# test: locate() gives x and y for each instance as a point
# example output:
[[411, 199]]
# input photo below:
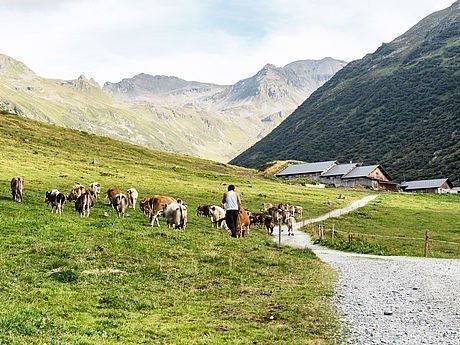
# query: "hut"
[[370, 176], [333, 177], [442, 185], [311, 171]]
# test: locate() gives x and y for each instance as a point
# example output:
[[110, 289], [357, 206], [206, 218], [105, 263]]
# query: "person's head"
[[231, 187]]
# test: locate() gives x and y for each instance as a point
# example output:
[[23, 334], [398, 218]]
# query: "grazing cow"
[[290, 222], [111, 193], [176, 215], [144, 205], [119, 204], [76, 191], [329, 202], [243, 222], [203, 210], [95, 190], [217, 217], [266, 206], [284, 207], [56, 199], [341, 196], [269, 224], [83, 204], [296, 209], [257, 219], [275, 213], [157, 205], [17, 188], [132, 195]]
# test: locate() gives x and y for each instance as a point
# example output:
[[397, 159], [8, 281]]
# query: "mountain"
[[167, 113], [399, 106]]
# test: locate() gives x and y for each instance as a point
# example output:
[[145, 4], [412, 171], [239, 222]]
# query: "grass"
[[105, 280], [401, 215]]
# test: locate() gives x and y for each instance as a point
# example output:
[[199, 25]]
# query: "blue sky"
[[205, 40]]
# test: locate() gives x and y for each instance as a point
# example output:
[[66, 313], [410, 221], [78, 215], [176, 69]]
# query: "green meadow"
[[406, 216], [106, 280]]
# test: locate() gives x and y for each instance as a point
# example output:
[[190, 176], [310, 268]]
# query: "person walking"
[[232, 203]]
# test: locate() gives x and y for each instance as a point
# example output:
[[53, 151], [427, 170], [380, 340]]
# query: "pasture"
[[107, 280], [401, 215]]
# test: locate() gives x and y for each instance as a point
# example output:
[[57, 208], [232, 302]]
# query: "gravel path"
[[391, 299]]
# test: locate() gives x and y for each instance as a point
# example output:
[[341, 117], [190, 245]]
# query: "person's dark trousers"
[[231, 218]]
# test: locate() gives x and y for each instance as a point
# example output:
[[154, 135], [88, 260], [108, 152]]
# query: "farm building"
[[310, 171], [370, 176], [455, 190], [442, 185], [333, 177], [334, 174]]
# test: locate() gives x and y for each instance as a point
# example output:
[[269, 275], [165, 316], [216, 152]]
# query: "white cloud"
[[112, 39]]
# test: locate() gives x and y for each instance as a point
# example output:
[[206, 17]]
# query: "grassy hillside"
[[401, 215], [105, 280], [398, 107]]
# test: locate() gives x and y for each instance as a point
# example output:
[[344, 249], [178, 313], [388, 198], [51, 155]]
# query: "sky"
[[203, 40]]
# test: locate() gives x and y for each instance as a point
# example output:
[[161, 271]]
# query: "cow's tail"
[[181, 226]]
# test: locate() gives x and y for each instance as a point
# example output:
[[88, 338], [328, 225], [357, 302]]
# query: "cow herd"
[[173, 210], [269, 216]]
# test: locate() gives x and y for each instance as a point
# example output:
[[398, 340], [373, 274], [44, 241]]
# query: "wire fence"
[[426, 243]]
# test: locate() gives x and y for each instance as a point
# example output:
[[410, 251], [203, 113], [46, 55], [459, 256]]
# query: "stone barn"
[[311, 171]]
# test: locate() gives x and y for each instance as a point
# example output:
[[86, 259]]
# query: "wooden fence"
[[321, 233]]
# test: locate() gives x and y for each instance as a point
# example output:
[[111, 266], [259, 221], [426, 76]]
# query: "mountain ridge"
[[165, 113], [398, 106]]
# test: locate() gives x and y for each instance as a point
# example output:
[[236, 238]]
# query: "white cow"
[[176, 215], [132, 197], [95, 189], [217, 217], [290, 222]]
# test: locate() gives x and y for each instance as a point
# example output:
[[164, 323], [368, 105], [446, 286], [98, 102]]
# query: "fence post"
[[333, 229], [427, 241], [279, 232], [349, 238]]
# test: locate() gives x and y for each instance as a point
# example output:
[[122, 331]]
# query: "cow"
[[341, 196], [157, 203], [56, 199], [297, 209], [17, 188], [269, 224], [144, 205], [266, 206], [132, 195], [95, 190], [203, 210], [111, 193], [77, 190], [243, 222], [257, 219], [217, 217], [83, 204], [290, 222], [275, 213], [176, 215], [284, 207], [119, 204]]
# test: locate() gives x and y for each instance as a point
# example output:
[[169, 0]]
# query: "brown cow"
[[17, 187], [119, 204], [266, 206], [112, 193], [83, 204], [157, 205], [269, 224], [76, 191], [243, 222], [144, 204]]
